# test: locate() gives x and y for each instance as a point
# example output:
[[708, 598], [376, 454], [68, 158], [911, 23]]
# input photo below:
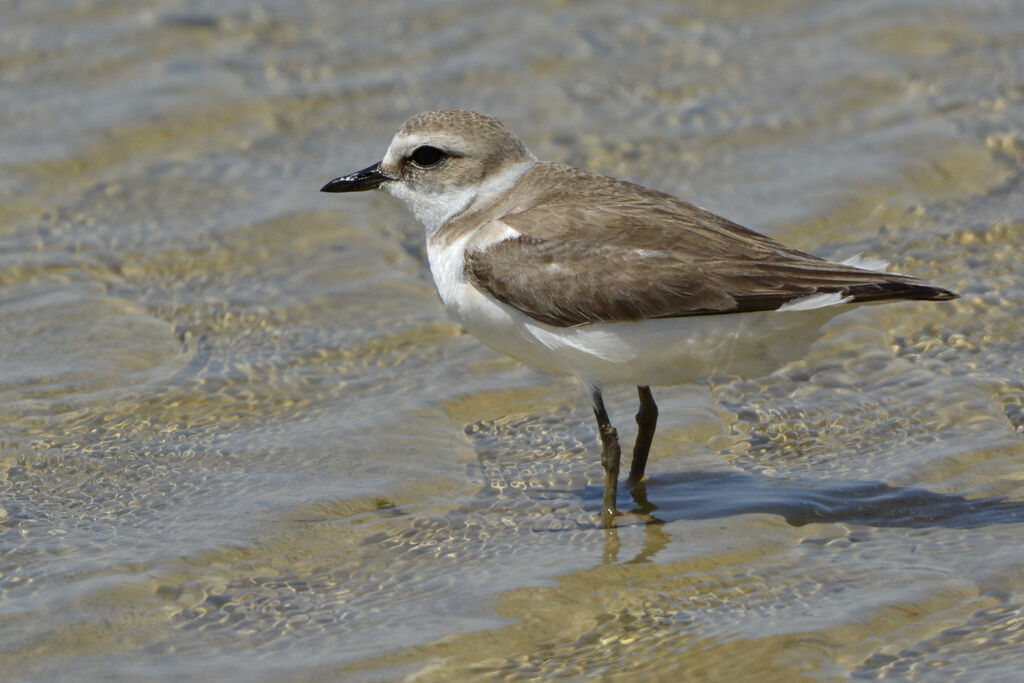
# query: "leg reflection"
[[655, 536]]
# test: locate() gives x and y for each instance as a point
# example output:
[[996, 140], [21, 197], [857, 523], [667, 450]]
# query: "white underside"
[[649, 352]]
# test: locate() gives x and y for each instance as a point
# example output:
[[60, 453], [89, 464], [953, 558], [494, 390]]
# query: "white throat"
[[435, 206]]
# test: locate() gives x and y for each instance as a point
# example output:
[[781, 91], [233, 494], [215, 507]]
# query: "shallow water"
[[241, 441]]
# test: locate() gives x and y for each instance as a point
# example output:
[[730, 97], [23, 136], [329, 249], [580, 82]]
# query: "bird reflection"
[[713, 495]]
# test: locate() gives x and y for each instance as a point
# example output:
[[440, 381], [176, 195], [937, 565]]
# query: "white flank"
[[595, 341]]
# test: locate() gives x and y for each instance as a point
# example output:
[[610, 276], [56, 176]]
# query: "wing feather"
[[611, 251]]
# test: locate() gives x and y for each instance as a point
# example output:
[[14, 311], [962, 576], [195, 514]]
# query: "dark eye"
[[426, 156]]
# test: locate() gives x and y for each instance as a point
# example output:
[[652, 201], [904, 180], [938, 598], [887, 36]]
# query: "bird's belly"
[[648, 352]]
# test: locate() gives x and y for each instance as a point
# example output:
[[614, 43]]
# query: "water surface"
[[240, 440]]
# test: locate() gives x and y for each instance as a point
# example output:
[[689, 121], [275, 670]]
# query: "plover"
[[581, 274]]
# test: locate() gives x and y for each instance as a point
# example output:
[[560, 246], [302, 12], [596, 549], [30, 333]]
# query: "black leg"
[[647, 421], [610, 456]]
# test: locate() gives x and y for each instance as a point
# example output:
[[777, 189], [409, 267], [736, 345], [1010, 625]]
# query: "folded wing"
[[622, 256]]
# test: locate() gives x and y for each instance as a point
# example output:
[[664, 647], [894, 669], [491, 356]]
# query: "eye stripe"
[[426, 156]]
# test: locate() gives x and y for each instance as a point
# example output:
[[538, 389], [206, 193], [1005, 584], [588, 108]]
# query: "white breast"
[[448, 266]]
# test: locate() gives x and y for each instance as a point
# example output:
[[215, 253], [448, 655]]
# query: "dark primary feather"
[[604, 250]]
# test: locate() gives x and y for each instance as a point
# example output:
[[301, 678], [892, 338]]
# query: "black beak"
[[366, 179]]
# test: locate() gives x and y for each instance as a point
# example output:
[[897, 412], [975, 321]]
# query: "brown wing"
[[566, 283], [610, 251]]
